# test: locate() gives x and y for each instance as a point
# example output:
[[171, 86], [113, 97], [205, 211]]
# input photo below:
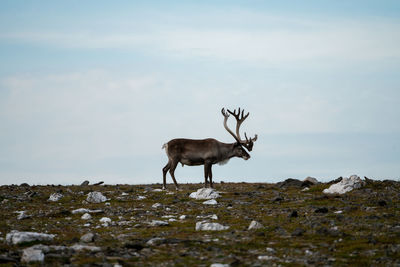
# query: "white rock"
[[95, 197], [86, 216], [105, 221], [345, 185], [79, 247], [182, 217], [205, 193], [168, 216], [305, 189], [16, 237], [32, 254], [158, 223], [124, 194], [311, 179], [213, 216], [55, 197], [22, 215], [206, 226], [338, 212], [266, 258], [82, 210], [255, 225], [219, 265], [140, 197], [157, 190], [172, 220], [156, 205], [210, 202]]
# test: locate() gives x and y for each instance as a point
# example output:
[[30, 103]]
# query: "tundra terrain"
[[140, 225]]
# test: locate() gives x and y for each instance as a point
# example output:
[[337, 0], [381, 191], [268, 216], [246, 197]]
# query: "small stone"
[[254, 225], [156, 205], [205, 226], [86, 216], [219, 265], [158, 223], [15, 237], [22, 215], [32, 255], [311, 180], [79, 247], [82, 210], [266, 258], [87, 238], [55, 197], [96, 197], [205, 193], [155, 241], [210, 202], [182, 217], [105, 221]]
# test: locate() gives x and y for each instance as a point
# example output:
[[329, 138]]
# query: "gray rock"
[[210, 202], [79, 247], [311, 180], [55, 197], [86, 216], [22, 215], [85, 183], [32, 255], [96, 197], [254, 225], [87, 238], [16, 237], [345, 185], [158, 223], [206, 226], [205, 193], [82, 210]]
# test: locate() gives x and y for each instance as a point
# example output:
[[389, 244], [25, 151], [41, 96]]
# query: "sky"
[[93, 89]]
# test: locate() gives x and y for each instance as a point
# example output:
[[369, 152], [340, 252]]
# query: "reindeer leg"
[[172, 172], [206, 174], [210, 176], [165, 170]]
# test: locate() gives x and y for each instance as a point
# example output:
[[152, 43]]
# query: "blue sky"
[[92, 89]]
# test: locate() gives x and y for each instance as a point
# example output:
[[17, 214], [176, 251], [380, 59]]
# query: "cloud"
[[276, 41]]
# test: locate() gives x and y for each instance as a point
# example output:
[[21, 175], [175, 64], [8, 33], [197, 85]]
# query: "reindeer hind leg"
[[174, 163], [165, 170]]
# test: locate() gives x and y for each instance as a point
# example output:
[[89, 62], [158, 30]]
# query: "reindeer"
[[207, 151]]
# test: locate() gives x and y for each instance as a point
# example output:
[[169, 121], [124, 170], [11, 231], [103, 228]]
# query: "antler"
[[240, 117], [226, 116]]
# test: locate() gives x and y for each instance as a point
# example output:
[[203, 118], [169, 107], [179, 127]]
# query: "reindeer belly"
[[192, 161]]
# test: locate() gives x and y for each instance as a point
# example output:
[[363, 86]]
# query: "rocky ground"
[[144, 226]]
